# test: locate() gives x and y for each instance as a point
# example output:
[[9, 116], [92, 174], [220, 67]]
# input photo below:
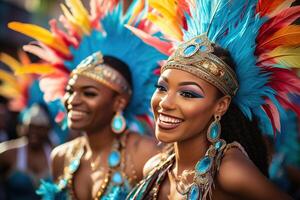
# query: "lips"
[[76, 114], [168, 122]]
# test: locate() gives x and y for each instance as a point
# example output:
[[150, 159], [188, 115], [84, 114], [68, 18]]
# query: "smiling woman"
[[108, 76], [217, 84]]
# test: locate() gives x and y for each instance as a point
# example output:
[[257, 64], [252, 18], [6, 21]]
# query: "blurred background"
[[284, 149]]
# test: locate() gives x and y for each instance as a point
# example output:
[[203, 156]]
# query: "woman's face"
[[90, 104], [183, 105]]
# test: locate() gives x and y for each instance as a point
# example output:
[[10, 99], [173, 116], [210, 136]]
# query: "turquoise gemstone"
[[203, 165], [203, 48], [117, 178], [194, 193], [214, 131], [118, 123], [189, 50], [74, 165], [198, 40], [218, 145], [114, 159], [63, 183]]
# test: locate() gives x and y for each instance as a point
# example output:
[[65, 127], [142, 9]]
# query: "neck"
[[98, 141], [189, 152]]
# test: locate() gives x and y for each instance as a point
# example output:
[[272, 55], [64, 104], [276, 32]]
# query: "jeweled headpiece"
[[94, 67], [262, 41], [195, 56]]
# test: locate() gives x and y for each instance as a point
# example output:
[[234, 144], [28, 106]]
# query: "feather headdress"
[[260, 38], [85, 33]]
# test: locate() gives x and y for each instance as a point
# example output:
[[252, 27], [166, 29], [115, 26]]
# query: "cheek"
[[197, 116], [154, 103]]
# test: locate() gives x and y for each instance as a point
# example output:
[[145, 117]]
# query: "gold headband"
[[195, 56], [94, 68]]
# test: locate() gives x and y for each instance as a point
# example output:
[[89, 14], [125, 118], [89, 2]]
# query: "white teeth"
[[76, 113], [168, 119]]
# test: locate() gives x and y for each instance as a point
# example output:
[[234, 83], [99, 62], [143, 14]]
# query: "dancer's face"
[[183, 106], [90, 104]]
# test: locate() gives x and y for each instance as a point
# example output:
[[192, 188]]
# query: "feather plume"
[[287, 36], [283, 19], [288, 57], [40, 34]]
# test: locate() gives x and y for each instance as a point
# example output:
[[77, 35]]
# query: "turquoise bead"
[[114, 159], [214, 131], [194, 193], [218, 145], [203, 48], [117, 123], [74, 165], [203, 165], [117, 178], [189, 50], [198, 40]]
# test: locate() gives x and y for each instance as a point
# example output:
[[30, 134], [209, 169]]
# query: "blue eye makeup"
[[190, 94]]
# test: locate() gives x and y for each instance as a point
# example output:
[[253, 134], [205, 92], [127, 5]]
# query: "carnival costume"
[[80, 51], [264, 47], [25, 97]]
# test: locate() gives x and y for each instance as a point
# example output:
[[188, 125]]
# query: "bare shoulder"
[[142, 145], [8, 149], [238, 176], [141, 148], [59, 156]]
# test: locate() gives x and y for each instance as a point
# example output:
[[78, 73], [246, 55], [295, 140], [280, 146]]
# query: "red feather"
[[264, 7], [283, 19]]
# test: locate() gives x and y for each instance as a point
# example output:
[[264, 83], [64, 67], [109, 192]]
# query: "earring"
[[214, 130], [118, 124]]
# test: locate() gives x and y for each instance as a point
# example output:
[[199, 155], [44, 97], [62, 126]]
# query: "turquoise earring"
[[214, 130], [118, 124]]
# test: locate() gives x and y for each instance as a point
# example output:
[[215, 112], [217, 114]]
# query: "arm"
[[240, 178]]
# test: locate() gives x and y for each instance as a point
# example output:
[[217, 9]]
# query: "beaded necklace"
[[115, 175]]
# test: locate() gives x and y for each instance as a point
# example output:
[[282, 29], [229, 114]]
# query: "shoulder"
[[140, 149], [238, 176], [8, 149], [137, 142], [60, 154]]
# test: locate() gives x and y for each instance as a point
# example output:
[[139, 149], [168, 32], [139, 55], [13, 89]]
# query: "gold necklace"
[[181, 182]]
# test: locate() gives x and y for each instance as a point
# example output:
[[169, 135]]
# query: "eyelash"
[[190, 94], [160, 88], [185, 94], [90, 94]]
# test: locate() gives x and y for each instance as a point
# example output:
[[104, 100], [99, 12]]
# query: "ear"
[[222, 105], [120, 102]]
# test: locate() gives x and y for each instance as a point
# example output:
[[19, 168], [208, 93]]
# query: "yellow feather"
[[40, 34], [166, 17], [80, 13], [11, 62], [289, 57], [8, 78], [9, 92], [71, 19], [136, 11], [40, 69]]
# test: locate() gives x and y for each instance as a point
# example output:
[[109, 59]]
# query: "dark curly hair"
[[236, 127]]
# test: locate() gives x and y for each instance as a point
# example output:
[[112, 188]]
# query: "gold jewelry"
[[182, 185], [195, 56], [94, 68]]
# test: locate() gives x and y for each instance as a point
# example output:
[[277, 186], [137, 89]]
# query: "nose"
[[167, 102], [73, 100]]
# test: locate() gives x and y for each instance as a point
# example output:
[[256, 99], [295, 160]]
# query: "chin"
[[165, 137]]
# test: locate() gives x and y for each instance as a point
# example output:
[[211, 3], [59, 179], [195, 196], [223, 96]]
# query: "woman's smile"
[[168, 122], [76, 115]]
